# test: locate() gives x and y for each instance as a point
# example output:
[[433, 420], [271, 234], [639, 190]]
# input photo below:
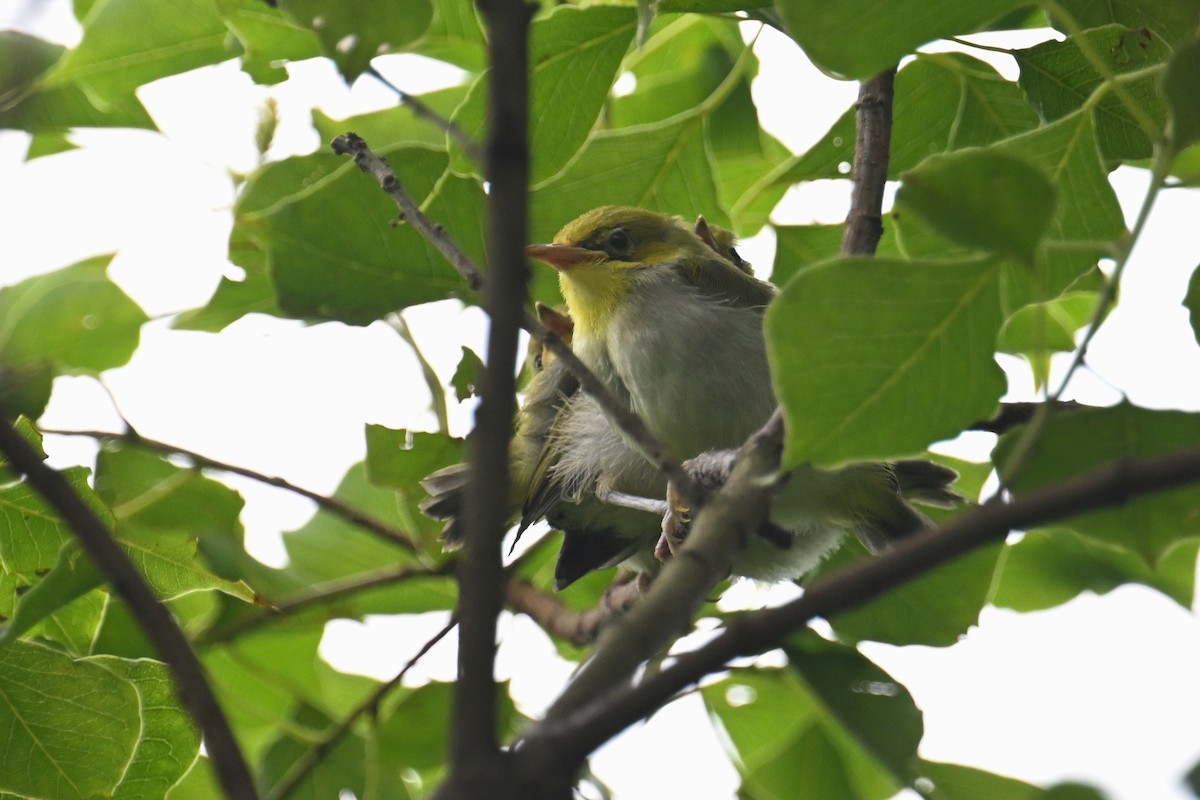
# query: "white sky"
[[1098, 690]]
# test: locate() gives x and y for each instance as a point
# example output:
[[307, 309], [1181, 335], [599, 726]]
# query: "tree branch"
[[752, 633], [331, 504], [872, 147], [191, 685], [469, 145], [474, 744], [577, 627]]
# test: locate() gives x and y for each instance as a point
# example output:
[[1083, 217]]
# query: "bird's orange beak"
[[563, 256]]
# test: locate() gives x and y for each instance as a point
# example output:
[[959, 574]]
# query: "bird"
[[812, 508], [674, 328], [549, 388]]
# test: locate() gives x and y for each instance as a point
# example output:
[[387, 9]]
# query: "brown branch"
[[572, 738], [872, 145], [628, 422], [577, 627], [321, 748], [331, 504], [474, 742], [156, 622]]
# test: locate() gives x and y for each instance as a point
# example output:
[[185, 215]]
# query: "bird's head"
[[600, 255]]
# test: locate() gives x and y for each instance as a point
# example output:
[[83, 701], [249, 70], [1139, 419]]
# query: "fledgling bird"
[[674, 329], [812, 508]]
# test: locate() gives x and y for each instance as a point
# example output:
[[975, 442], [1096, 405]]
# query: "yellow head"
[[599, 255]]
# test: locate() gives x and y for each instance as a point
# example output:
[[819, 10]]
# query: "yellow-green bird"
[[674, 329]]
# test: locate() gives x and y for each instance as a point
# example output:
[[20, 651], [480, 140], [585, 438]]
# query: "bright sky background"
[[1099, 690]]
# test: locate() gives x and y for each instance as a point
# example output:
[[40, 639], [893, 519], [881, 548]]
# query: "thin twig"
[[317, 752], [468, 145], [331, 504], [156, 622], [320, 594]]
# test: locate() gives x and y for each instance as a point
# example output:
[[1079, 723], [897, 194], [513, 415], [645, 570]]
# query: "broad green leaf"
[[936, 609], [330, 248], [859, 38], [31, 532], [1085, 440], [806, 731], [200, 783], [1174, 20], [573, 58], [74, 318], [1060, 79], [1183, 74], [268, 38], [467, 375], [943, 102], [1037, 330], [1087, 219], [70, 727], [72, 627], [956, 782], [1049, 567], [982, 198], [1192, 302], [662, 167], [874, 709], [797, 246], [128, 43], [399, 459], [169, 742], [329, 547], [341, 770], [264, 677], [352, 32], [455, 35], [857, 344], [25, 388]]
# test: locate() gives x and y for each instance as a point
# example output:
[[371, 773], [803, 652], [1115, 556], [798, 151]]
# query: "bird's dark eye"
[[537, 362], [618, 241]]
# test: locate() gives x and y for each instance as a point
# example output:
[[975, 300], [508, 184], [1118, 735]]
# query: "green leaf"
[[329, 245], [897, 340], [128, 43], [31, 532], [1087, 219], [1059, 79], [1037, 330], [1174, 20], [1183, 75], [467, 375], [1049, 567], [401, 458], [74, 318], [806, 732], [1088, 439], [859, 38], [169, 741], [956, 782], [982, 198], [876, 710], [455, 35], [936, 609], [268, 38], [663, 167], [1192, 302], [943, 102], [573, 58], [797, 246], [71, 727], [352, 32]]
